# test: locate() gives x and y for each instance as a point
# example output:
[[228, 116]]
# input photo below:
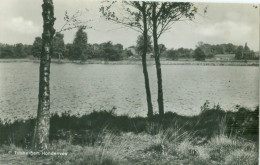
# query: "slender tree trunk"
[[145, 72], [41, 134], [157, 62]]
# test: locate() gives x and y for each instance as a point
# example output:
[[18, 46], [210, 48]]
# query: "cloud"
[[20, 25], [229, 32], [226, 29]]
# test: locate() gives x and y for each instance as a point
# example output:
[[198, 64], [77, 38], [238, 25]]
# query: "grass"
[[214, 137], [130, 148]]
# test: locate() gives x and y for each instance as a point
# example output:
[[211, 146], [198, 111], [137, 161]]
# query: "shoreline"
[[149, 62]]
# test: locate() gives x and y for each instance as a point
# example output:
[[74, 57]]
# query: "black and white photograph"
[[102, 82]]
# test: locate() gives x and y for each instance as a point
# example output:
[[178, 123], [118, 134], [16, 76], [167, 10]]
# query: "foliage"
[[80, 45], [162, 48], [167, 13], [74, 21], [172, 54], [247, 53], [199, 54], [127, 13], [239, 52], [37, 47], [111, 52], [15, 51], [19, 51], [58, 45], [211, 50], [140, 44], [129, 53], [7, 51], [244, 53]]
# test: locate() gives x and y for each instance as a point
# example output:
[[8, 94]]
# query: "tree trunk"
[[157, 62], [41, 134], [146, 76]]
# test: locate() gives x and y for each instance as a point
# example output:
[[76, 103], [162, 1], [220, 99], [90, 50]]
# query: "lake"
[[83, 88]]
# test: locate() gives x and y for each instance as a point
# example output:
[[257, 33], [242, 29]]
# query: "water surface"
[[84, 88]]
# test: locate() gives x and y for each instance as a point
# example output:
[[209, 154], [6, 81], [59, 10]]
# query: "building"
[[224, 57]]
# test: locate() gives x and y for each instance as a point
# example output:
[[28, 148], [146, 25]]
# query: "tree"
[[41, 133], [119, 47], [199, 54], [37, 47], [7, 52], [68, 50], [230, 48], [208, 51], [27, 49], [172, 54], [140, 44], [74, 21], [111, 52], [162, 48], [58, 45], [134, 17], [184, 52], [247, 53], [161, 16], [19, 51], [244, 53], [129, 53], [239, 52], [80, 44]]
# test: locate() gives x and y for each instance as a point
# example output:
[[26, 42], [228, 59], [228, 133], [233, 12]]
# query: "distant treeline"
[[204, 50], [15, 51], [81, 50]]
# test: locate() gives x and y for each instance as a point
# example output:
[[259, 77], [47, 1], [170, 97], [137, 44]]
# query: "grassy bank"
[[212, 137], [149, 62]]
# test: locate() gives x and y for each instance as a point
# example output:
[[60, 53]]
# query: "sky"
[[21, 21]]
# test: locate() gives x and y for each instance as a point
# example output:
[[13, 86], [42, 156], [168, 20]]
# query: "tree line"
[[15, 51], [206, 51], [81, 50]]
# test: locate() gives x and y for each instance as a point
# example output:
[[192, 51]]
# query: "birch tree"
[[161, 17], [133, 14], [41, 134]]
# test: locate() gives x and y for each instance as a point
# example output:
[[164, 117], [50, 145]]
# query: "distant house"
[[224, 57]]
